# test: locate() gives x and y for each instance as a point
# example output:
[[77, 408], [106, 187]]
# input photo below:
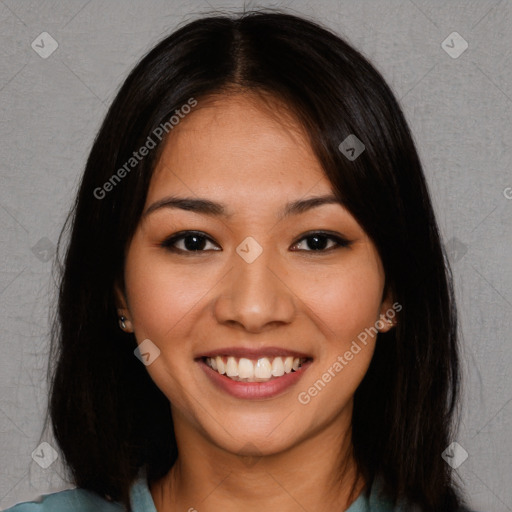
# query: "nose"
[[255, 296]]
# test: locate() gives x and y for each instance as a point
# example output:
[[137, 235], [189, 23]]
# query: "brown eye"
[[319, 242], [190, 241]]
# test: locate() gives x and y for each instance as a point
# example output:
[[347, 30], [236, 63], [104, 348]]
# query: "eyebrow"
[[208, 207]]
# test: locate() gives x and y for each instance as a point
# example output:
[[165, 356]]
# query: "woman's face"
[[255, 290]]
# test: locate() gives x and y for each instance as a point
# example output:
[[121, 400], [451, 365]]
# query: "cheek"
[[160, 295], [162, 298], [346, 301]]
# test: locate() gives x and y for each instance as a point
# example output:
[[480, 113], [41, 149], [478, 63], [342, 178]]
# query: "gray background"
[[459, 110]]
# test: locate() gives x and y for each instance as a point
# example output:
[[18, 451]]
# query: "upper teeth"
[[258, 370]]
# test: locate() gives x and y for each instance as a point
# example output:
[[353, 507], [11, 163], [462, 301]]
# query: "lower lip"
[[254, 390]]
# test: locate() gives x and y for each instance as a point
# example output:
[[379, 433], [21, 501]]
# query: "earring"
[[390, 322], [122, 322], [385, 318]]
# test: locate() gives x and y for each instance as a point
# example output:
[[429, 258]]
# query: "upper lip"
[[254, 353]]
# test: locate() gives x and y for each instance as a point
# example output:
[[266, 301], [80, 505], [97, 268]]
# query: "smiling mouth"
[[263, 369]]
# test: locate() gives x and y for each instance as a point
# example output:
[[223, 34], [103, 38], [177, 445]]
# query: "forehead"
[[242, 140]]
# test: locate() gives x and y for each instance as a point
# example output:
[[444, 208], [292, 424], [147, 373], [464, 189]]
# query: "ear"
[[123, 311], [387, 314]]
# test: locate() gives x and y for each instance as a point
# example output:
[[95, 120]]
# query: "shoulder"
[[379, 502], [83, 500], [77, 500]]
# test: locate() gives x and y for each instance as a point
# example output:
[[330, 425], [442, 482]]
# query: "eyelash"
[[169, 242]]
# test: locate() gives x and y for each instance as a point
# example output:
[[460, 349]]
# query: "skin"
[[253, 156]]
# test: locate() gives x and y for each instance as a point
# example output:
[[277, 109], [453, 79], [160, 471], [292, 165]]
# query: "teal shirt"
[[81, 500]]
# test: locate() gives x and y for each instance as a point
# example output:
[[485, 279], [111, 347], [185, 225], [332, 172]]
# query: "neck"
[[316, 474]]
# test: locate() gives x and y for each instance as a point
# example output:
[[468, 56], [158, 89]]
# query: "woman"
[[255, 309]]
